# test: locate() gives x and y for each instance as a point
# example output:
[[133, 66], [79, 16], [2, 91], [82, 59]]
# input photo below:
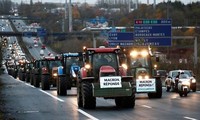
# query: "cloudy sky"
[[93, 1]]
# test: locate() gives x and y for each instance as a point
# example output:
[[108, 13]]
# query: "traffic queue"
[[102, 72]]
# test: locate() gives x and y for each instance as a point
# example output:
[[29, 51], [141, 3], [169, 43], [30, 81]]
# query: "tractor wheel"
[[23, 76], [62, 86], [69, 84], [20, 75], [27, 77], [118, 102], [45, 82], [31, 79], [36, 82], [79, 96], [168, 88], [89, 102], [129, 102], [180, 93], [158, 93], [126, 102]]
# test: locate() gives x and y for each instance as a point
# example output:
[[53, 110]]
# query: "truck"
[[102, 75], [68, 72], [140, 62]]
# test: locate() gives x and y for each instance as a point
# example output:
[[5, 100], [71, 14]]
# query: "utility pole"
[[65, 19], [70, 16]]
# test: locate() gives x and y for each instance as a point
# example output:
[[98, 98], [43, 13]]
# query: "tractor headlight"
[[146, 77], [125, 66], [87, 66], [144, 53], [55, 74], [73, 74], [134, 54], [193, 80], [140, 77]]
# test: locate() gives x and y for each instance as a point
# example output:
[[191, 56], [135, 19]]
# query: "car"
[[36, 45], [43, 47], [170, 80]]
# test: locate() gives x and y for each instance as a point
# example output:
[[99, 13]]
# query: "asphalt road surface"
[[25, 102]]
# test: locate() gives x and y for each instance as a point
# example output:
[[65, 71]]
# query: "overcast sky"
[[93, 1]]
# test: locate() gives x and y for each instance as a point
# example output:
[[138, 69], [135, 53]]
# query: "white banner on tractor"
[[145, 85], [110, 82]]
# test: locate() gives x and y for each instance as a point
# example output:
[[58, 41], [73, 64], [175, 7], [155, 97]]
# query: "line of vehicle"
[[189, 118]]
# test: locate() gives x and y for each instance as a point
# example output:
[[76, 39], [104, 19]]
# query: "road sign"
[[27, 34], [120, 36], [141, 42], [41, 32], [154, 32]]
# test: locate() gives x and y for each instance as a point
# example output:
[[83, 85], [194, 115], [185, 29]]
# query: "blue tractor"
[[68, 72]]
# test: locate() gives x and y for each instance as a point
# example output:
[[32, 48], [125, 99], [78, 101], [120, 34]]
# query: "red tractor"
[[103, 76]]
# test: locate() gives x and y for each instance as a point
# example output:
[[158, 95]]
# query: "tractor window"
[[139, 62], [100, 59], [55, 64]]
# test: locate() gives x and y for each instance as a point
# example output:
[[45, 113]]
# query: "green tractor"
[[68, 72], [103, 76], [140, 66]]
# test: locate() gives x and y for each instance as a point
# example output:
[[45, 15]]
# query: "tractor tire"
[[45, 82], [27, 77], [194, 90], [118, 102], [31, 79], [69, 83], [181, 94], [23, 76], [15, 75], [20, 75], [62, 86], [168, 88], [79, 96], [89, 102], [125, 102], [158, 93], [36, 81]]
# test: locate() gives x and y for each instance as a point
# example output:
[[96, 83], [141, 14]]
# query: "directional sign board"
[[41, 32], [153, 32], [27, 34], [120, 38], [117, 36]]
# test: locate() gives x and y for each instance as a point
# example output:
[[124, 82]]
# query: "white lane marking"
[[29, 85], [31, 111], [52, 96], [146, 106], [88, 115], [189, 118]]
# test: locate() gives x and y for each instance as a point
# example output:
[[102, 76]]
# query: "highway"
[[25, 102]]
